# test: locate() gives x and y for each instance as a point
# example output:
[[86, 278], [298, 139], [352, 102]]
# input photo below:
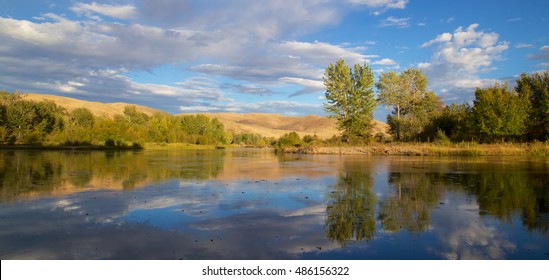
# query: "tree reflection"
[[501, 190], [29, 173], [350, 214], [408, 206], [502, 193]]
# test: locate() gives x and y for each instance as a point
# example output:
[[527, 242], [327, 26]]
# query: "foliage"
[[27, 121], [414, 107], [250, 139], [453, 122], [291, 139], [499, 114], [30, 122], [535, 88], [350, 97], [350, 214]]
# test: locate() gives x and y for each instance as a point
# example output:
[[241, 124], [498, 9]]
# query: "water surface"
[[253, 204]]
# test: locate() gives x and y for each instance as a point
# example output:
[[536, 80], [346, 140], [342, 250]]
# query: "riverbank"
[[429, 149], [69, 148], [146, 146]]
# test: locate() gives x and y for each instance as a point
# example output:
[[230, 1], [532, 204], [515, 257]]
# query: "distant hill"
[[273, 125], [97, 108], [270, 125]]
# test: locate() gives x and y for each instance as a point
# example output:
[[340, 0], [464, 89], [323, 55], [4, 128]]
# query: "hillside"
[[97, 108], [270, 125]]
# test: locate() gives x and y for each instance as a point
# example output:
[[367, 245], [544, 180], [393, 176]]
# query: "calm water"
[[253, 204]]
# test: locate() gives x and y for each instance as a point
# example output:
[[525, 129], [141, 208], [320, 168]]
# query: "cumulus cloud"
[[256, 47], [442, 38], [459, 59]]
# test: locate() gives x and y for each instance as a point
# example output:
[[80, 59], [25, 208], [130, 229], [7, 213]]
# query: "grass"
[[469, 149], [182, 146]]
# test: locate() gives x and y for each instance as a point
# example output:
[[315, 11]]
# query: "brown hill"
[[270, 125], [97, 108]]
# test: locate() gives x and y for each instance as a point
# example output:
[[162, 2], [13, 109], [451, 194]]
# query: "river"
[[254, 204]]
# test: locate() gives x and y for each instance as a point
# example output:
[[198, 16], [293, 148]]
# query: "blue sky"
[[261, 56]]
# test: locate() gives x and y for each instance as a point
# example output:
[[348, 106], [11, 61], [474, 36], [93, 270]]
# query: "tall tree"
[[499, 113], [535, 87], [350, 97], [413, 105]]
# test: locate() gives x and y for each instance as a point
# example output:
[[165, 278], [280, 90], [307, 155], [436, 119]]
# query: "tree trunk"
[[398, 122]]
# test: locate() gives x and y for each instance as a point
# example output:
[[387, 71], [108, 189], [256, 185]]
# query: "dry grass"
[[97, 108], [429, 149], [273, 125]]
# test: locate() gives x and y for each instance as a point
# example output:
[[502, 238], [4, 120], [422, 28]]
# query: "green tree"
[[535, 88], [291, 139], [81, 117], [135, 117], [350, 97], [454, 122], [350, 213], [499, 113], [414, 106]]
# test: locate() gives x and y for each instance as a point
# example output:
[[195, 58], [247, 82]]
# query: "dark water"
[[253, 204]]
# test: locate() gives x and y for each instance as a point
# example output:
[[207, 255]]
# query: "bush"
[[109, 143], [291, 139], [441, 137]]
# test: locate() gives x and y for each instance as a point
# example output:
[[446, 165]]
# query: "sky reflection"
[[332, 208]]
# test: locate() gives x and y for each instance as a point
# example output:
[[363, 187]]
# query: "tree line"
[[497, 114], [46, 123]]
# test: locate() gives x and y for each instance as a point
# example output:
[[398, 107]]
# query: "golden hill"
[[273, 125], [270, 125], [97, 108]]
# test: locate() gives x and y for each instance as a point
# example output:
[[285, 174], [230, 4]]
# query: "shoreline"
[[428, 149], [375, 149]]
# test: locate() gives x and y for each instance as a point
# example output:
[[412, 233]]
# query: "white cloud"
[[385, 61], [392, 4], [460, 57], [442, 38], [291, 108], [395, 22], [310, 86], [321, 53], [315, 84], [114, 11], [423, 65], [255, 46]]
